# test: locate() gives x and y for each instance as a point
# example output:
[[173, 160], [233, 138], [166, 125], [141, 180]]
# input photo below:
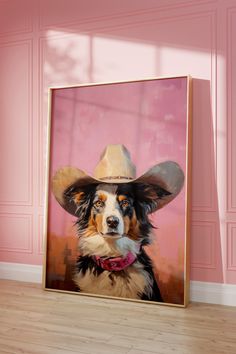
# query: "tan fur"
[[91, 229], [133, 228], [102, 197], [98, 222], [126, 224], [77, 197], [121, 197], [136, 281], [94, 225]]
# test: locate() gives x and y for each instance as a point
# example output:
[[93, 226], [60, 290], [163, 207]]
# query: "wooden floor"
[[34, 321]]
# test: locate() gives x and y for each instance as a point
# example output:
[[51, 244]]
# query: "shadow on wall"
[[206, 248]]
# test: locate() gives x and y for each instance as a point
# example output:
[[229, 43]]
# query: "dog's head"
[[113, 218]]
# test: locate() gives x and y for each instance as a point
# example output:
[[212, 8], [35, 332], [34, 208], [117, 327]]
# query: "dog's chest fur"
[[132, 282]]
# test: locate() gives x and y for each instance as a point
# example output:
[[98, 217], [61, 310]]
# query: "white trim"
[[21, 272], [212, 293]]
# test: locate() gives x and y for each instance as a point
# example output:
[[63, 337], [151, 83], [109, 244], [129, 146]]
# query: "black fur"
[[146, 261], [83, 209]]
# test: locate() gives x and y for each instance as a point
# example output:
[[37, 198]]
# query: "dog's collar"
[[115, 264]]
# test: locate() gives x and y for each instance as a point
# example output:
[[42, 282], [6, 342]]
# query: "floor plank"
[[37, 321]]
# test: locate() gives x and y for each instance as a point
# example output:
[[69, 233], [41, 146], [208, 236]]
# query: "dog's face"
[[113, 218], [113, 212]]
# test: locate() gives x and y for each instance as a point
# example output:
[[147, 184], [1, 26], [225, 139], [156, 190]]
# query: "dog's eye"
[[99, 204], [125, 203]]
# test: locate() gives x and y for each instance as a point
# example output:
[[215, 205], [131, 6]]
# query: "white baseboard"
[[212, 293], [21, 272]]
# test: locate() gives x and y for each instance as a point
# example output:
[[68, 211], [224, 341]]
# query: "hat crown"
[[115, 163]]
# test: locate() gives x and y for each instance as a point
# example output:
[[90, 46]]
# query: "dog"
[[113, 228], [112, 222]]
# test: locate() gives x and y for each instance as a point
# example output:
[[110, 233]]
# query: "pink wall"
[[41, 44]]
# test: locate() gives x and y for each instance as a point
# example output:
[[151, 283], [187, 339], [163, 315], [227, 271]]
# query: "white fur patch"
[[97, 245], [111, 208], [125, 244], [131, 286]]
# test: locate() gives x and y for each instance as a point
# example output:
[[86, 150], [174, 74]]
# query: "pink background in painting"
[[149, 118], [64, 42]]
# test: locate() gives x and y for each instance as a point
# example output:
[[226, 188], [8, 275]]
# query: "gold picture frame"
[[73, 110]]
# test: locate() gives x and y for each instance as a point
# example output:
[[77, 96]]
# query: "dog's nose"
[[112, 221]]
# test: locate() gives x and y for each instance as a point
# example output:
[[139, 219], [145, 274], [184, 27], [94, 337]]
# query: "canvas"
[[118, 193]]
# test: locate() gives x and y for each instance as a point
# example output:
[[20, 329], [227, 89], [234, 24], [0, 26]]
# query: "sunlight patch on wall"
[[77, 58], [180, 61], [66, 58], [118, 60]]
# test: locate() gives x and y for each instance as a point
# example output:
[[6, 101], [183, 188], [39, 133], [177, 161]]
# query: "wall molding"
[[229, 61], [126, 14], [212, 293], [41, 234], [231, 265]]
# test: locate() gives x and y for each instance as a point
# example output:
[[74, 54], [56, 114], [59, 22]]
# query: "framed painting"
[[118, 191]]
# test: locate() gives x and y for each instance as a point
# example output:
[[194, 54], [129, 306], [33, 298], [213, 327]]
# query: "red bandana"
[[115, 264]]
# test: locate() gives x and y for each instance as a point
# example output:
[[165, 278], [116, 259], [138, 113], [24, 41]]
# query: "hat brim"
[[167, 175]]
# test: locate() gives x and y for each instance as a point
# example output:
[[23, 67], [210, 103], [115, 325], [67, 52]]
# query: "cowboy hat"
[[115, 166]]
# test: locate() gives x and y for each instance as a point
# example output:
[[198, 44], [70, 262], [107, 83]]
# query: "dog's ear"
[[77, 199], [149, 196]]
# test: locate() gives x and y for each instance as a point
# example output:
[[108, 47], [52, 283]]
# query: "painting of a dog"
[[117, 216], [112, 222]]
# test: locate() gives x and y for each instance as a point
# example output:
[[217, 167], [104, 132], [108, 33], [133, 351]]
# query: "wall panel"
[[17, 233], [16, 122], [203, 245], [231, 246]]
